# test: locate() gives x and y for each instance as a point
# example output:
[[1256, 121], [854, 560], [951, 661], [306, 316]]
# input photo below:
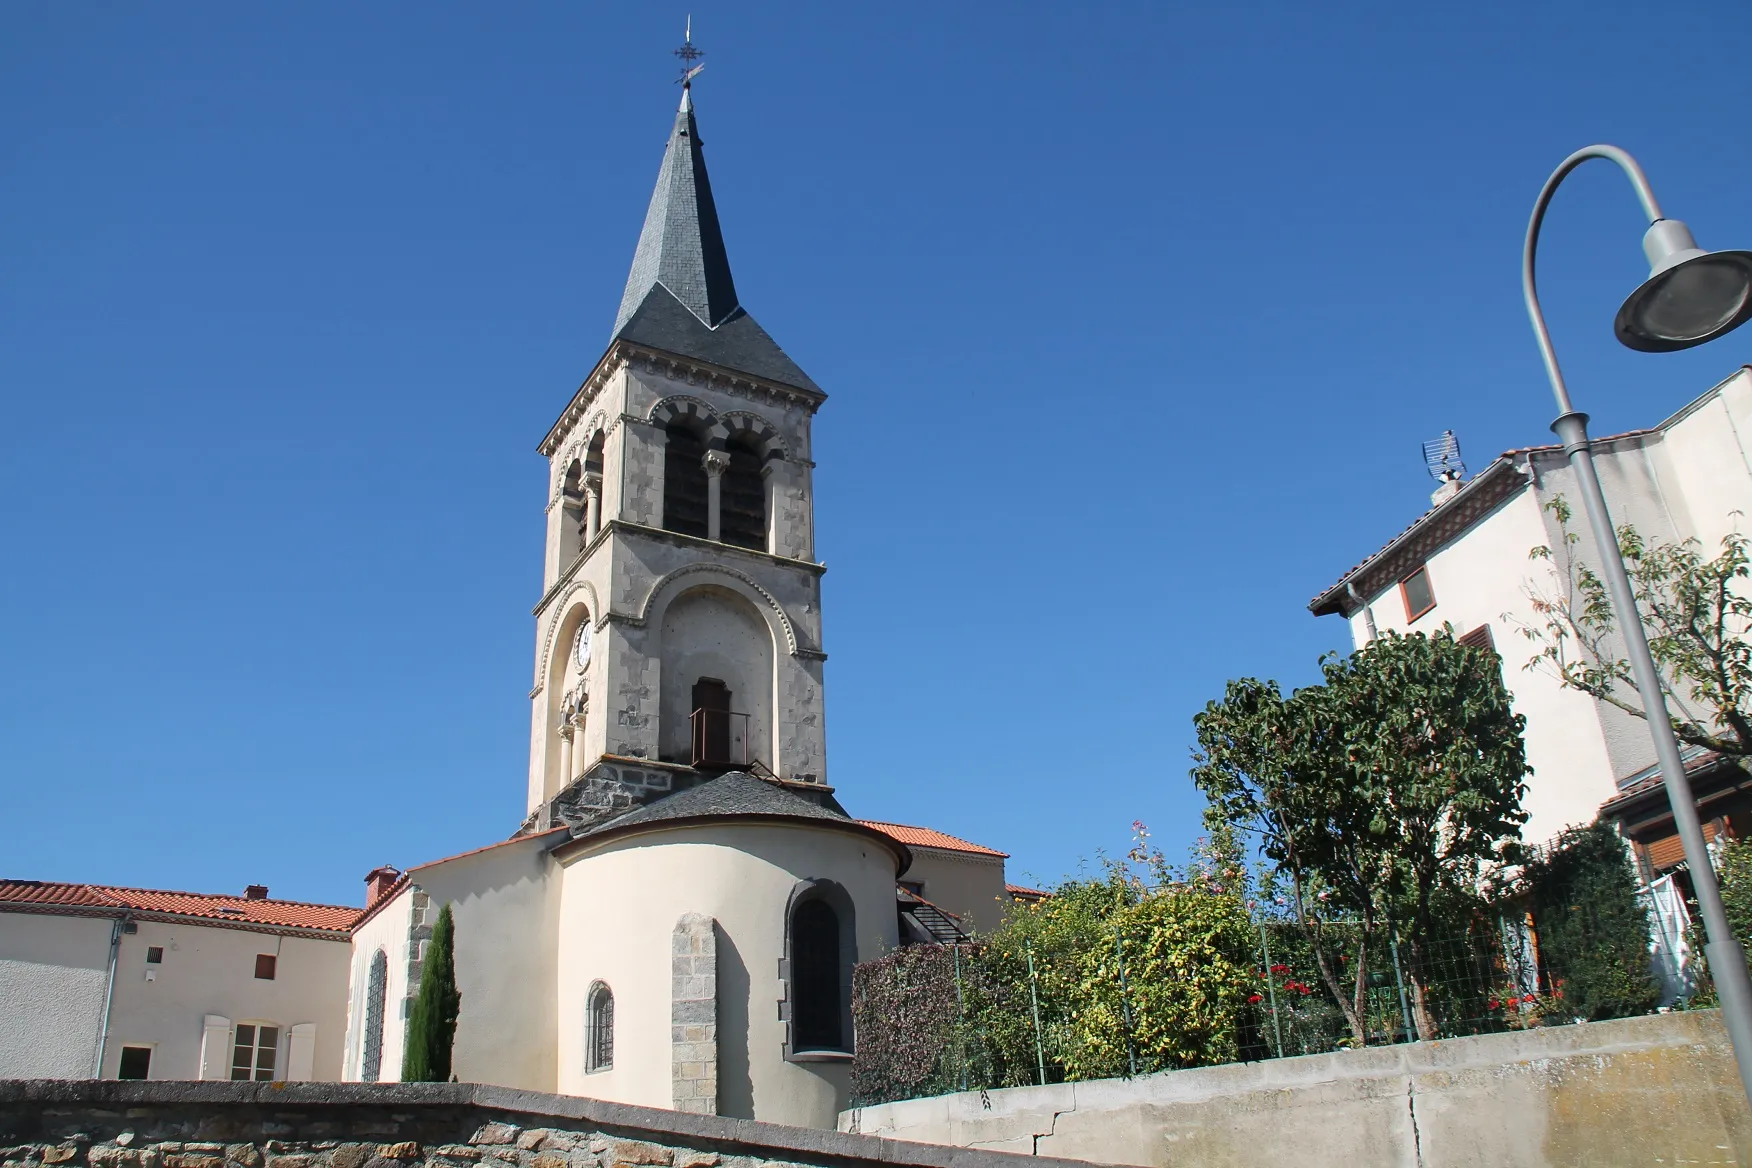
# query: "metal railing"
[[720, 738]]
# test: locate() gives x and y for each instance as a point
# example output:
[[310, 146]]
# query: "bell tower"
[[678, 634]]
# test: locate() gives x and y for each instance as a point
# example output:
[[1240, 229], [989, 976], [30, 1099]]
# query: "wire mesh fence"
[[966, 1022]]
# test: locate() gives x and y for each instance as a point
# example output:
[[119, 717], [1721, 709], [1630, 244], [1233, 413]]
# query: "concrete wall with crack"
[[1655, 1090]]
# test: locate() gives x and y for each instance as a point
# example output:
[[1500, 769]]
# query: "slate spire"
[[681, 246], [679, 296]]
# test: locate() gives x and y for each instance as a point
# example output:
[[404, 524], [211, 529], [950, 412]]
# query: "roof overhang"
[[1411, 547]]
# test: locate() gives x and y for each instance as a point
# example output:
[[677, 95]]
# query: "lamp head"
[[1691, 295]]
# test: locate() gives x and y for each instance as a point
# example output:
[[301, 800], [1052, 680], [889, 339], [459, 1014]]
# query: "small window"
[[265, 966], [916, 887], [599, 1041], [1478, 638], [1419, 598], [155, 955], [252, 1055], [136, 1061]]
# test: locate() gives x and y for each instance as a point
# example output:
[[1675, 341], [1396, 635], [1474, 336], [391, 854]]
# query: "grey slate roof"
[[728, 796], [663, 322], [680, 296]]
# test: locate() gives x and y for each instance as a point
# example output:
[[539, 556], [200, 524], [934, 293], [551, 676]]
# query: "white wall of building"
[[53, 973], [503, 903], [1685, 479], [620, 904], [209, 972], [386, 930]]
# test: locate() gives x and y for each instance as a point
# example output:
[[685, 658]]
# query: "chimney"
[[379, 881], [256, 892], [1450, 486]]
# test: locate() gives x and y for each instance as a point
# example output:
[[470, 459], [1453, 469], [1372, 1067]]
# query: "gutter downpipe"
[[1368, 613], [109, 995]]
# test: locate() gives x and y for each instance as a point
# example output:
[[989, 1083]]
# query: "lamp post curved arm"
[[1529, 287], [1668, 244]]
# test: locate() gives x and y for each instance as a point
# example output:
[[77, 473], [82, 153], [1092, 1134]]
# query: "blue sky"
[[1132, 318]]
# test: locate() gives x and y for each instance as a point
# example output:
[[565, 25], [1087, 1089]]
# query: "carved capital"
[[716, 462], [593, 482]]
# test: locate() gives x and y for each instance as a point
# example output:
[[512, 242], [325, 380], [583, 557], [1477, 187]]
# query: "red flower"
[[1256, 998], [1280, 969], [1495, 1005]]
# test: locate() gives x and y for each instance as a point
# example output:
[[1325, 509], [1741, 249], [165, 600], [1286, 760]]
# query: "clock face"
[[581, 648]]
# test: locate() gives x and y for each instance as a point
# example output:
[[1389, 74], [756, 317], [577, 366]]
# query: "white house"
[[130, 983], [1464, 563]]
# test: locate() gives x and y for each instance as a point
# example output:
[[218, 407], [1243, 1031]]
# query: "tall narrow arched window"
[[816, 1006], [371, 1065], [742, 506], [684, 481], [599, 1029]]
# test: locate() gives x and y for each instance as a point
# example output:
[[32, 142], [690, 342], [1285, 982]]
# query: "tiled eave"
[[1411, 547], [689, 369], [136, 914]]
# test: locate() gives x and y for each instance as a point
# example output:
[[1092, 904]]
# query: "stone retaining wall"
[[104, 1124], [1655, 1090]]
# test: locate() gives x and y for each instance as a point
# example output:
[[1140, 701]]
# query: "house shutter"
[[1670, 852], [1479, 638], [301, 1053], [215, 1047]]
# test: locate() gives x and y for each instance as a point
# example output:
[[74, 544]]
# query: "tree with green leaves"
[[1379, 795], [432, 1020], [1698, 616]]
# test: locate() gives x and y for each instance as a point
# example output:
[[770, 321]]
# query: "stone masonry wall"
[[694, 1014], [107, 1124]]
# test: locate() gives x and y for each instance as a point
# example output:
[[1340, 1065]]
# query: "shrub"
[[1734, 869], [1593, 929], [904, 1008]]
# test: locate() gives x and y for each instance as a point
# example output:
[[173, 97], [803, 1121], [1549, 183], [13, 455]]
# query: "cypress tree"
[[432, 1021]]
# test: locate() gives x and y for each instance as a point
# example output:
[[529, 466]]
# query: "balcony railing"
[[720, 739]]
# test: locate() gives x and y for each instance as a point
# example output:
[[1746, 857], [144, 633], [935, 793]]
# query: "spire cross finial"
[[689, 55]]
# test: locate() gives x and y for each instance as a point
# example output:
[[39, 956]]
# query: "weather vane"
[[688, 55]]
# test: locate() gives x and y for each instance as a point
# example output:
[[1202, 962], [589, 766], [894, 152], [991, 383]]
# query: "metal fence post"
[[1034, 1002], [1399, 980], [1271, 990], [961, 1011], [1131, 1047]]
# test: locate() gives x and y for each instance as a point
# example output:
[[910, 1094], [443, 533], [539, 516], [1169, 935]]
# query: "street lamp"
[[1691, 296]]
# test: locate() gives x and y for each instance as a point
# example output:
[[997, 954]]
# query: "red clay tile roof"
[[1018, 890], [924, 837], [275, 914]]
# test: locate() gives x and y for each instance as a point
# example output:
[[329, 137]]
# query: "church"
[[676, 921]]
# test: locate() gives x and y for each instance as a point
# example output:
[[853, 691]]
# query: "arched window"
[[599, 1029], [816, 998], [684, 481], [573, 506], [371, 1065], [742, 506]]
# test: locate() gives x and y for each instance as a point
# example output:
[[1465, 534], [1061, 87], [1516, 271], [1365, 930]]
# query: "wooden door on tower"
[[711, 723]]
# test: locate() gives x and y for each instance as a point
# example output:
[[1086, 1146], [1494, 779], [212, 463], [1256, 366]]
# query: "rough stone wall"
[[106, 1124], [693, 1014], [1654, 1090]]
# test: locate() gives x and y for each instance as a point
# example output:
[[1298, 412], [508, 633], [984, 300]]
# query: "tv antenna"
[[1442, 457], [689, 54]]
